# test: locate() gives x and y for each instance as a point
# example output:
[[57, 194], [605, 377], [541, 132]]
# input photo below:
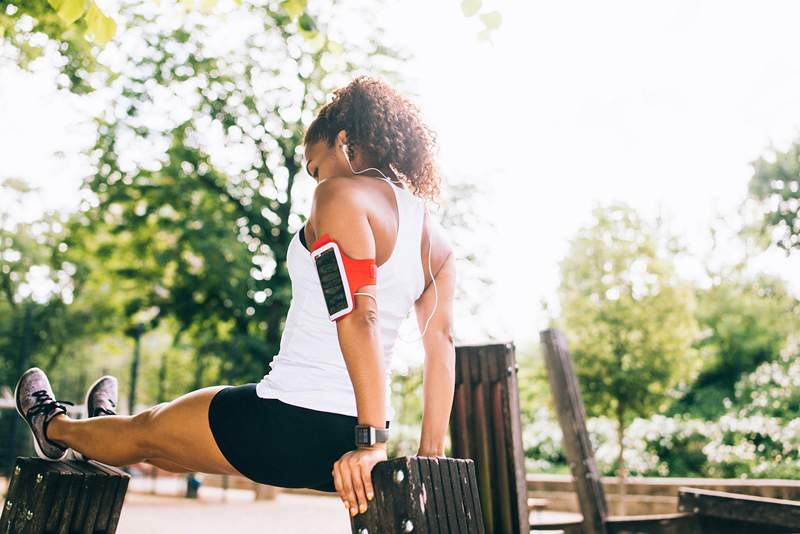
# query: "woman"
[[295, 428]]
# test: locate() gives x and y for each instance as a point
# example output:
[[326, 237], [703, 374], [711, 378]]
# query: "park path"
[[287, 514]]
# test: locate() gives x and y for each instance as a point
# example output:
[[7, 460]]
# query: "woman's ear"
[[341, 139]]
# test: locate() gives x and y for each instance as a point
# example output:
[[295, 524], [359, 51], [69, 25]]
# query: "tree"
[[628, 317], [746, 321], [775, 188], [195, 193]]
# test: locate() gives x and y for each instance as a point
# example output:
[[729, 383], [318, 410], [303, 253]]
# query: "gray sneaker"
[[101, 399], [37, 405]]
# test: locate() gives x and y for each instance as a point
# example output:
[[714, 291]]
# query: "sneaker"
[[37, 405], [101, 399]]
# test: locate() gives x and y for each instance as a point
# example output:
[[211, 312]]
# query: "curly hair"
[[384, 126]]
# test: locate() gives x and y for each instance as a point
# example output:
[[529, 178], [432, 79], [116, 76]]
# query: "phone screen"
[[331, 280]]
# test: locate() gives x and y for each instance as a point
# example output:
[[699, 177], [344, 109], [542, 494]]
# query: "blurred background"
[[626, 171]]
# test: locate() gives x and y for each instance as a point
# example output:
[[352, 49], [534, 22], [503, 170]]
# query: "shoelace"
[[45, 404], [105, 411]]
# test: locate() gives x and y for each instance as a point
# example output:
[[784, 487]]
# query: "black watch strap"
[[366, 435]]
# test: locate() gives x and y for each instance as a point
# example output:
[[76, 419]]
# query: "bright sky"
[[659, 104]]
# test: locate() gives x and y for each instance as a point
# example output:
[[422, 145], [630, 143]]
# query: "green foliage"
[[746, 321], [40, 324], [34, 28], [775, 186], [628, 316], [197, 232]]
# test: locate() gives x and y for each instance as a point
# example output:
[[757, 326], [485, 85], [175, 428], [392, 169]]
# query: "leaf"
[[306, 23], [55, 4], [71, 10], [294, 7], [470, 7], [492, 20], [99, 25]]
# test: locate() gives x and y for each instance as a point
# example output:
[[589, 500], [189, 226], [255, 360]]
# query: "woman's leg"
[[176, 432], [166, 465]]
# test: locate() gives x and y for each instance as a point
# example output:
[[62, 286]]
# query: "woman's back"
[[309, 369]]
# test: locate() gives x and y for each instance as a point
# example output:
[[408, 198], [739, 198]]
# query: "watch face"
[[362, 436]]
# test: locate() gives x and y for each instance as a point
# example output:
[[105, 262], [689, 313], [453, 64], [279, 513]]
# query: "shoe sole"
[[38, 450]]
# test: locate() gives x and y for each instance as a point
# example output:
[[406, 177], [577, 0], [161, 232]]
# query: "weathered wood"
[[67, 497], [406, 498], [780, 515], [571, 416], [485, 427]]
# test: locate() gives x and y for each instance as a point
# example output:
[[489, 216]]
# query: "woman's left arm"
[[337, 212]]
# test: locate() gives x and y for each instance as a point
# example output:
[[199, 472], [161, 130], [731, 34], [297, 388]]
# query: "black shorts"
[[279, 444]]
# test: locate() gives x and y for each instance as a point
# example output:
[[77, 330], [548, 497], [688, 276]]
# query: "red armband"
[[340, 275]]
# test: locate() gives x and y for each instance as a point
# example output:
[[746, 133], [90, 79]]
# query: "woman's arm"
[[440, 354], [337, 211]]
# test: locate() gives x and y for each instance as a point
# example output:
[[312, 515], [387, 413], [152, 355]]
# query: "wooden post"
[[63, 497], [422, 495], [485, 427], [577, 446]]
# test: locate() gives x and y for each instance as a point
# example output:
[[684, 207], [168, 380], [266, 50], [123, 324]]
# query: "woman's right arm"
[[440, 354]]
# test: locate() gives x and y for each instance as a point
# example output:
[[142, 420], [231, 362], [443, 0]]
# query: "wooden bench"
[[699, 511], [63, 497], [424, 496], [485, 427]]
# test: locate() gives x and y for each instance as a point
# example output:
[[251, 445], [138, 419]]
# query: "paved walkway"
[[287, 514]]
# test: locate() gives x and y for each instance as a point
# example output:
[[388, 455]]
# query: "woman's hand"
[[352, 476], [437, 453]]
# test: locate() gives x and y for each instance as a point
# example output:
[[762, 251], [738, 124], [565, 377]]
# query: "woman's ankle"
[[55, 429]]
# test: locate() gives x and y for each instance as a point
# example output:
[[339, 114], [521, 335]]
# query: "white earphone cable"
[[430, 271]]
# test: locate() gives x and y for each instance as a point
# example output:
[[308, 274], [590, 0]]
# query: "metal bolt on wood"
[[17, 470], [29, 515], [408, 526], [363, 530], [39, 478], [399, 476], [9, 505]]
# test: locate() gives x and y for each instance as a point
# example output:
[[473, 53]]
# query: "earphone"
[[430, 271]]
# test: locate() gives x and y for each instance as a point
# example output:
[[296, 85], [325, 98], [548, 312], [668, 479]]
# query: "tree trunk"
[[621, 461]]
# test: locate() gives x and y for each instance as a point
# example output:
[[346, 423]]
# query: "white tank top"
[[309, 369]]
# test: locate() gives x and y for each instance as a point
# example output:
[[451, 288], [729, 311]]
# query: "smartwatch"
[[367, 436]]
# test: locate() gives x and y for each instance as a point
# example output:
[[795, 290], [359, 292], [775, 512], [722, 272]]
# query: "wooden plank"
[[780, 513], [74, 486], [110, 485], [43, 497], [476, 501], [483, 459], [381, 512], [441, 509], [458, 494], [62, 482], [571, 416], [119, 499], [447, 490], [11, 504], [472, 510], [515, 452], [431, 511], [19, 490]]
